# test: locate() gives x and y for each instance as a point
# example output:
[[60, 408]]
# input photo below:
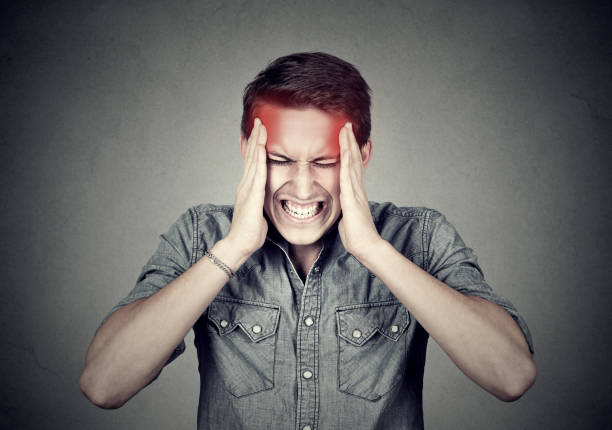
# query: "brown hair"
[[311, 79]]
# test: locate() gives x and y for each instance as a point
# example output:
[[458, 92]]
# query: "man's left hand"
[[356, 228]]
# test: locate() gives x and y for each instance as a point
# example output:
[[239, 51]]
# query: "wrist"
[[368, 251], [230, 252]]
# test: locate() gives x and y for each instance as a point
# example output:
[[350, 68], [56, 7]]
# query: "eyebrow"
[[324, 158]]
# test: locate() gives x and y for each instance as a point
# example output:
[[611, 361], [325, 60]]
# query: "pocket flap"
[[257, 320], [358, 323]]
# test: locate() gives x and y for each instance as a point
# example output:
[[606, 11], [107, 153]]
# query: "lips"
[[301, 211]]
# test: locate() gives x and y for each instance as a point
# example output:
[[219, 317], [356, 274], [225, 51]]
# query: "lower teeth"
[[307, 214]]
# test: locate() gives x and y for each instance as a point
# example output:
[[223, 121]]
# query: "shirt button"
[[307, 374], [394, 328], [308, 321], [256, 329], [224, 323], [316, 269], [306, 428], [357, 333]]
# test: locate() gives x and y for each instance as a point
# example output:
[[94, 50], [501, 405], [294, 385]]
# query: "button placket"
[[307, 337]]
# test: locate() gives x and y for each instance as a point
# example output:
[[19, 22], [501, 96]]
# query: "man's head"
[[311, 79], [303, 101]]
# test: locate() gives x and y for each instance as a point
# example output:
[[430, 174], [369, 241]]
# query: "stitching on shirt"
[[299, 361], [405, 212], [404, 320], [208, 208], [297, 371], [368, 305], [400, 215], [424, 244], [194, 243], [247, 302], [317, 357]]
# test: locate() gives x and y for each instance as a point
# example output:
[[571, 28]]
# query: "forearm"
[[480, 337], [136, 341]]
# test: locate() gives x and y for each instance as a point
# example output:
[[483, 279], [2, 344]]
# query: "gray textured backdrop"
[[117, 116]]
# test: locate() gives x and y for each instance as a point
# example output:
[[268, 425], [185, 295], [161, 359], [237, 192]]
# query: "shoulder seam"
[[194, 243], [401, 211], [208, 208], [425, 244]]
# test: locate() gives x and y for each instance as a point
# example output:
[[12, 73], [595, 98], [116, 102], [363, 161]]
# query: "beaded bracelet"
[[220, 264]]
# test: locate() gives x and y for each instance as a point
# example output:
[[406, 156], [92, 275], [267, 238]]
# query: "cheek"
[[276, 178], [330, 180]]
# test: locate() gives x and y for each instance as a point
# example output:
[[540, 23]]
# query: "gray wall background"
[[117, 116]]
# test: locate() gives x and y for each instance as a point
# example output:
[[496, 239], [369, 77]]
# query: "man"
[[311, 306]]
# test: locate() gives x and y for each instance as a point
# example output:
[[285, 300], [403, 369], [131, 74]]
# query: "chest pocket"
[[371, 347], [243, 343]]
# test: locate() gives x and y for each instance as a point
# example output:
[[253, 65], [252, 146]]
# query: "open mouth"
[[302, 212]]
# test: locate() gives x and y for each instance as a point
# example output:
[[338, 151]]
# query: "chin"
[[302, 228], [300, 237]]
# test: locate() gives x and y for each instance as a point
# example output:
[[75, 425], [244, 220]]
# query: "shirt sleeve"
[[171, 259], [449, 260]]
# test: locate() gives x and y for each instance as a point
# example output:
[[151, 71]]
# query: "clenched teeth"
[[302, 212]]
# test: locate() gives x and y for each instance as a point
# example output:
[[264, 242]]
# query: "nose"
[[303, 181]]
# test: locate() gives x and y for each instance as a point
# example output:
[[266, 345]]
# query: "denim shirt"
[[337, 351]]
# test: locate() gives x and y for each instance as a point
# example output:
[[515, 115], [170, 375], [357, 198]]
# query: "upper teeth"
[[301, 212]]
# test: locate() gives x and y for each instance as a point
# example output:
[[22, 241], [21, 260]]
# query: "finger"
[[356, 160], [261, 171], [345, 162], [250, 151], [259, 151], [354, 171], [263, 135], [356, 154], [253, 138]]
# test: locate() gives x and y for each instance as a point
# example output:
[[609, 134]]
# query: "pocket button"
[[256, 329], [224, 323], [356, 334], [394, 328]]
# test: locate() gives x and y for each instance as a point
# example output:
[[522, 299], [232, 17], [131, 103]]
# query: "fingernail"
[[349, 125], [257, 121]]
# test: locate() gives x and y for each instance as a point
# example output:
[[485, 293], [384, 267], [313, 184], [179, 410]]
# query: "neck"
[[304, 256]]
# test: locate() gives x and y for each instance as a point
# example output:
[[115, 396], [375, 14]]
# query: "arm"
[[136, 341], [480, 337]]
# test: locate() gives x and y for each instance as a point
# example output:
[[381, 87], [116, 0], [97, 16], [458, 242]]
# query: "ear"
[[243, 143], [366, 153]]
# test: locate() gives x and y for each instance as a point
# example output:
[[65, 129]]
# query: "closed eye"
[[326, 165], [314, 163], [279, 162]]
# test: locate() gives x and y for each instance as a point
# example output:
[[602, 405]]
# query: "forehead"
[[297, 133]]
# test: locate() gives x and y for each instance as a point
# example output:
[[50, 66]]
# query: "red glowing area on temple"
[[301, 134]]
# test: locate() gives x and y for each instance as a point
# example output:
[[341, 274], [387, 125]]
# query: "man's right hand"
[[249, 227]]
